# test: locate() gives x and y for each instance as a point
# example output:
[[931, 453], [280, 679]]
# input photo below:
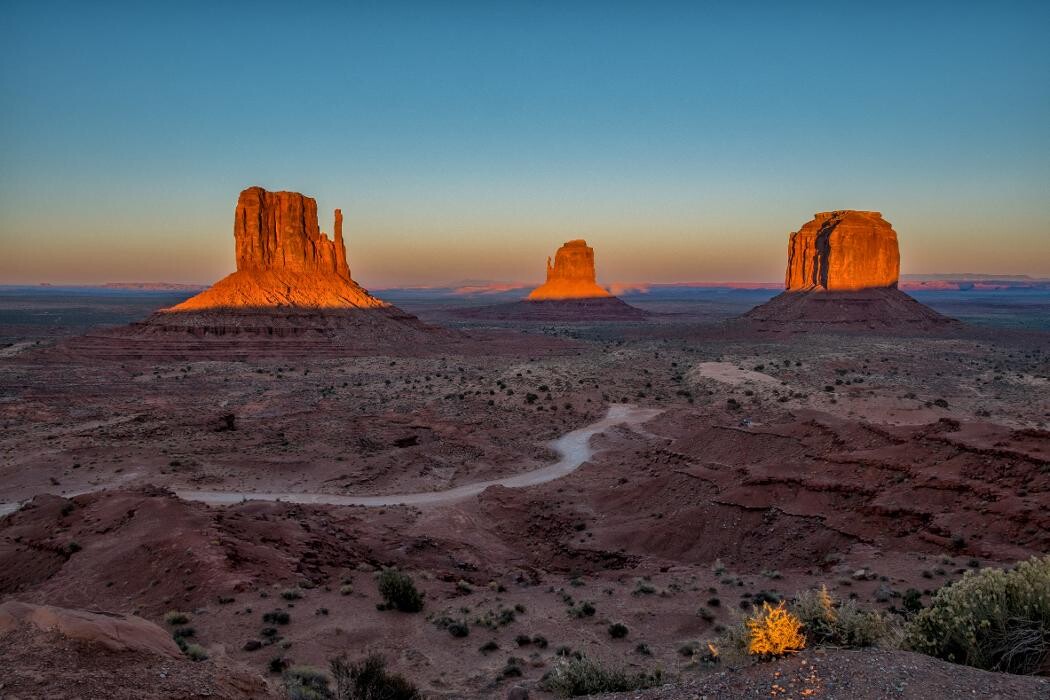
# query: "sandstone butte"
[[283, 260], [843, 250], [571, 276]]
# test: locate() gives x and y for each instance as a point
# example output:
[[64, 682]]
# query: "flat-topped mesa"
[[279, 231], [283, 259], [844, 250], [571, 276]]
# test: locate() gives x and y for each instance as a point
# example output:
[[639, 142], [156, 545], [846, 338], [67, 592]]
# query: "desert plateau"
[[524, 351]]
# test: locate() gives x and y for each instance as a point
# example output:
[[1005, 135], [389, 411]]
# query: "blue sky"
[[468, 140]]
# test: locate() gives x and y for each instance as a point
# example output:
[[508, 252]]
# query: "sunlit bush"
[[774, 631]]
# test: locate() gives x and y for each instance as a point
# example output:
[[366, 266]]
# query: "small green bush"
[[399, 592], [581, 676], [995, 619], [196, 652], [306, 683], [369, 680], [277, 617], [617, 630], [174, 617], [827, 621]]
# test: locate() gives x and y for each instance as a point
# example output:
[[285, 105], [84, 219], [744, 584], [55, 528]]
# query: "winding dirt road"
[[573, 448]]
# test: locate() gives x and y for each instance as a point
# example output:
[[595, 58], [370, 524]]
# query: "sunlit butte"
[[463, 144]]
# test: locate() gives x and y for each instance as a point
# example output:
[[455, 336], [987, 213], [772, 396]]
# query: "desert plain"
[[739, 465]]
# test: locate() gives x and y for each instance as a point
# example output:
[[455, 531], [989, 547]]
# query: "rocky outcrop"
[[283, 259], [112, 631], [279, 231], [842, 274], [843, 250], [571, 276]]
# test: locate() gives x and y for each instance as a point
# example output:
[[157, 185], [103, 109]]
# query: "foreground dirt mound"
[[52, 652], [839, 674], [150, 551], [886, 309], [111, 631], [559, 311]]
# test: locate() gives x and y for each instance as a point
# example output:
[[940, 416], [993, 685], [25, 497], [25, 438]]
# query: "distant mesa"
[[570, 294], [292, 293], [843, 250], [284, 259], [571, 276], [842, 272]]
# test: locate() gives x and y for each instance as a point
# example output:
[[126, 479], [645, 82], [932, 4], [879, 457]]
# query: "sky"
[[466, 141]]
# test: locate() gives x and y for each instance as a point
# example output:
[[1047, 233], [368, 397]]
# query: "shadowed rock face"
[[571, 276], [283, 259], [843, 250]]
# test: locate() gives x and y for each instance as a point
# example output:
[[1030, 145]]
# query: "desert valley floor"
[[758, 465]]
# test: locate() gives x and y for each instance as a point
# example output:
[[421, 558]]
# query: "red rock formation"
[[571, 276], [842, 275], [283, 259], [843, 250]]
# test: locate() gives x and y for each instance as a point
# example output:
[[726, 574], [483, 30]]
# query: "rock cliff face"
[[278, 231], [843, 250], [283, 259], [571, 276], [842, 275]]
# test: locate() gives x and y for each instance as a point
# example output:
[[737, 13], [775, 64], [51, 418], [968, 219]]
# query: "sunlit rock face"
[[843, 250], [284, 259], [571, 276]]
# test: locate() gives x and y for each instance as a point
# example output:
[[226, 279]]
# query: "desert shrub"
[[196, 652], [369, 680], [774, 631], [291, 594], [306, 683], [584, 609], [826, 621], [995, 619], [277, 617], [582, 676], [617, 630], [174, 617], [399, 592]]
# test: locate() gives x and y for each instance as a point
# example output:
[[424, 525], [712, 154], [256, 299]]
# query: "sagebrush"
[[995, 619]]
